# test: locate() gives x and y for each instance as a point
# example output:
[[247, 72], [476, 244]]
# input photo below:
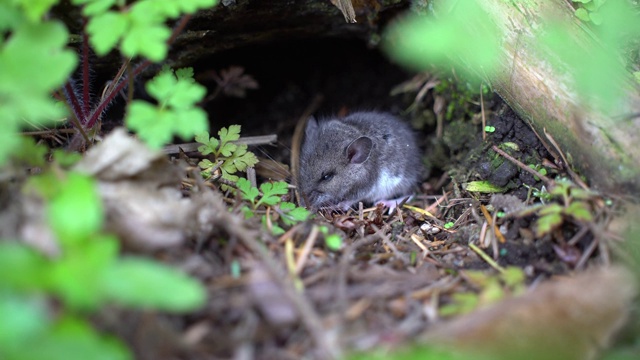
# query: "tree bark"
[[604, 147]]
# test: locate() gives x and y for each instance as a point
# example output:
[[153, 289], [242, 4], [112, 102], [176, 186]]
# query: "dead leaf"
[[140, 190]]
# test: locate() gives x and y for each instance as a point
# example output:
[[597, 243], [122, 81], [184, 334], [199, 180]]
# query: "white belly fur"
[[385, 186]]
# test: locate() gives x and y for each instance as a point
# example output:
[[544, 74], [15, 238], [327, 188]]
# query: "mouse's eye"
[[327, 176]]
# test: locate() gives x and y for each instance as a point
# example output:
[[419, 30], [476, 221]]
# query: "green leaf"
[[513, 276], [94, 7], [209, 144], [191, 6], [77, 277], [292, 214], [596, 18], [36, 9], [30, 152], [579, 210], [248, 192], [465, 32], [551, 209], [333, 242], [462, 303], [149, 123], [23, 320], [147, 40], [205, 164], [21, 267], [582, 14], [34, 59], [10, 16], [65, 158], [34, 62], [76, 212], [546, 223], [189, 122], [272, 192], [482, 186], [147, 284], [226, 136], [106, 30], [275, 229], [175, 115], [185, 73], [240, 160], [73, 338]]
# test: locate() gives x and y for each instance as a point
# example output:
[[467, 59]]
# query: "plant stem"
[[132, 74], [72, 99], [85, 72]]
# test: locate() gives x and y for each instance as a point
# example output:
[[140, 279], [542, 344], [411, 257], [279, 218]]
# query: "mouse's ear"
[[358, 151], [311, 130]]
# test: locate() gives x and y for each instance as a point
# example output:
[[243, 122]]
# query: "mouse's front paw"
[[393, 203]]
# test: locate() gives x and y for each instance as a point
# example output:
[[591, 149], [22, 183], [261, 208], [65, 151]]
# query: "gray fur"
[[385, 167]]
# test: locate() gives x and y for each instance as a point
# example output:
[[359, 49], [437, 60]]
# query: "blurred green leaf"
[[548, 222], [143, 283], [77, 277], [175, 114], [94, 7], [333, 242], [21, 267], [106, 30], [72, 338], [463, 35], [75, 213], [579, 210], [24, 319], [34, 62]]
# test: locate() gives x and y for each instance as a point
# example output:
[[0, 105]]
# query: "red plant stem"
[[86, 105], [73, 100], [137, 70], [178, 29], [116, 89]]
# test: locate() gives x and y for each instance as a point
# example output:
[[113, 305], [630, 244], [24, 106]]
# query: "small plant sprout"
[[575, 204], [540, 169], [269, 197], [234, 157]]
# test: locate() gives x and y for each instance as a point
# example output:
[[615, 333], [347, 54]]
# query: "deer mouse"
[[367, 156]]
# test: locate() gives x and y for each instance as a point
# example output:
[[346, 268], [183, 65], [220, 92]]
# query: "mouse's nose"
[[310, 198]]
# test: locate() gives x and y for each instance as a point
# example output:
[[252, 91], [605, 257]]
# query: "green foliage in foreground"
[[45, 299], [176, 112], [87, 273], [462, 36], [139, 28], [34, 63]]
